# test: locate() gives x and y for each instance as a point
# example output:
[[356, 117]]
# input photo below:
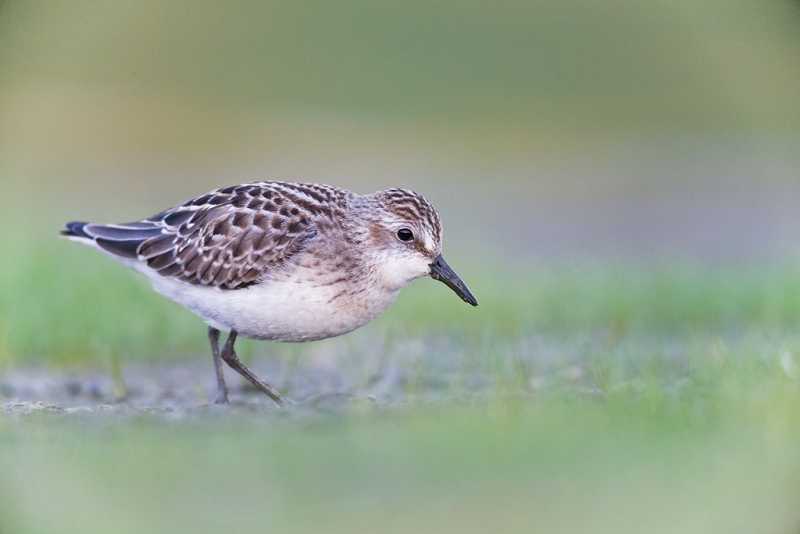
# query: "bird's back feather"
[[229, 238]]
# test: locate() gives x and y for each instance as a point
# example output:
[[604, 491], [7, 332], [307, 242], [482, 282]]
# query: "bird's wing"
[[229, 238]]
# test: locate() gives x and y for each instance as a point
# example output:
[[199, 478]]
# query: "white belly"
[[280, 310]]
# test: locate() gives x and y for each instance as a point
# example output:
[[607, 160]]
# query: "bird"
[[281, 261]]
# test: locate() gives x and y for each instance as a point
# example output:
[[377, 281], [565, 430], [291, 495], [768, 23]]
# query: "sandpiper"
[[281, 261]]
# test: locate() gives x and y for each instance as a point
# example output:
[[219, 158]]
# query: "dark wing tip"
[[75, 229], [119, 239]]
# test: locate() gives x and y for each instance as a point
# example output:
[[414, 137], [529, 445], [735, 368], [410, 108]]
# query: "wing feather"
[[229, 238]]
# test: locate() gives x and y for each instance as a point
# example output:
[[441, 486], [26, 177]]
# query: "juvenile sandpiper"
[[281, 261]]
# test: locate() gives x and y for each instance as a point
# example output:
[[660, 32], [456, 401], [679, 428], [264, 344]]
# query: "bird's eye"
[[404, 234]]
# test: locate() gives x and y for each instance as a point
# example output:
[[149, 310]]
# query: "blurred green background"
[[619, 184], [564, 140]]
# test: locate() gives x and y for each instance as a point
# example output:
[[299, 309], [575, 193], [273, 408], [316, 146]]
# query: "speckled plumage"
[[282, 261]]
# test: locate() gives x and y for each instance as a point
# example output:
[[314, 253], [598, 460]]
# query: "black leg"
[[233, 361], [222, 389]]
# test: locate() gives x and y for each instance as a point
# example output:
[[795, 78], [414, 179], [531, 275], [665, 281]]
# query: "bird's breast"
[[305, 306]]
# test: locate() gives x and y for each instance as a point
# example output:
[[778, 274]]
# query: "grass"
[[550, 464], [577, 397]]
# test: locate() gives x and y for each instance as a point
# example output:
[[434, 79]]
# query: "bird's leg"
[[233, 361], [222, 389]]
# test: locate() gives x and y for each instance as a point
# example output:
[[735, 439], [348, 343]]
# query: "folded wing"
[[229, 238]]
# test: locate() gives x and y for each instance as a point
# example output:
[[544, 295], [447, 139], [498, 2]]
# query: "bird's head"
[[404, 234]]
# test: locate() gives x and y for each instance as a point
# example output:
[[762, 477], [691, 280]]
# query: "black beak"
[[442, 272]]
